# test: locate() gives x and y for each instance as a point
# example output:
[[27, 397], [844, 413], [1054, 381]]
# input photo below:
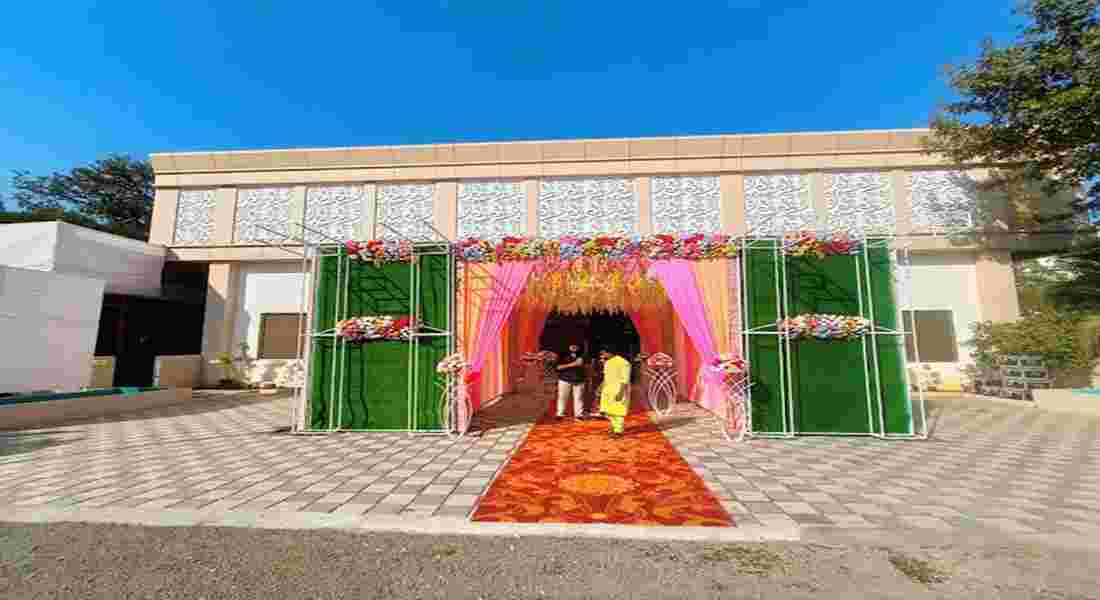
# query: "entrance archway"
[[591, 332]]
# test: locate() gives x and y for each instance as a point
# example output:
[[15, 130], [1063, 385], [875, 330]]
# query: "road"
[[72, 560]]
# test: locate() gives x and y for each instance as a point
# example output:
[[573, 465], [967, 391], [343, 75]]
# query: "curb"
[[395, 524]]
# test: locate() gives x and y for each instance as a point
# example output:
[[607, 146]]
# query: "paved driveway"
[[988, 465]]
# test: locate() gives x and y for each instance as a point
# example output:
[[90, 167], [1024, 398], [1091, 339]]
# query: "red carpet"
[[572, 472]]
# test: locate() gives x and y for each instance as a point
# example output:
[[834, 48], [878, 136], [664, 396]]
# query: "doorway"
[[592, 332]]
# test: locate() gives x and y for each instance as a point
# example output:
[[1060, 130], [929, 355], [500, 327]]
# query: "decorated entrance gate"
[[377, 331], [807, 378]]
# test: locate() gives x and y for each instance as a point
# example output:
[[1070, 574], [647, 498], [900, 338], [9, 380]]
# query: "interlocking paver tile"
[[988, 465]]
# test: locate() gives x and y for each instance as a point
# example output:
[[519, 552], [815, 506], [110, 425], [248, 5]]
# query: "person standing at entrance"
[[614, 397], [571, 381]]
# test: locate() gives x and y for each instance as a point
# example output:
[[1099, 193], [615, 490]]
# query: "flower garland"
[[659, 360], [824, 327], [807, 243], [452, 364], [379, 251], [373, 328], [612, 248]]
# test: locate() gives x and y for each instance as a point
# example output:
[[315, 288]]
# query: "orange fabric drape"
[[475, 297], [713, 278], [649, 321]]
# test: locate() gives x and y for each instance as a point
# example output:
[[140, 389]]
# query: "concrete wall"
[[945, 282], [183, 371], [125, 266], [48, 325], [56, 412], [264, 288], [103, 372]]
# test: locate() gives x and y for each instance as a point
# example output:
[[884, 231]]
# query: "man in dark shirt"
[[571, 378]]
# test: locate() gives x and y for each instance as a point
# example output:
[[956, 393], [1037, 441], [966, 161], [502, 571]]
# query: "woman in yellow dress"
[[614, 397]]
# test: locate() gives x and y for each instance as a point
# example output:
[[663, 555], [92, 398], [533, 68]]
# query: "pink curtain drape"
[[507, 286], [678, 278]]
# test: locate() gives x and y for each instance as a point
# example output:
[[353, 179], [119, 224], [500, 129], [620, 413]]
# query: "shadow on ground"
[[20, 442]]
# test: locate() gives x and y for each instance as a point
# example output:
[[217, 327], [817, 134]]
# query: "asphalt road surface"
[[122, 562]]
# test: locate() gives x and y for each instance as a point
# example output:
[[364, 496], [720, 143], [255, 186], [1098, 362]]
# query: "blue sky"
[[81, 80]]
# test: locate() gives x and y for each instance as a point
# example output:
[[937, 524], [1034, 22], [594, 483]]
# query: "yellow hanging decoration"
[[591, 285]]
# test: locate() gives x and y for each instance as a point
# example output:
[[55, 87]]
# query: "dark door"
[[136, 330]]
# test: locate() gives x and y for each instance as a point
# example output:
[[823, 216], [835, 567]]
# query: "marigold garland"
[[590, 284]]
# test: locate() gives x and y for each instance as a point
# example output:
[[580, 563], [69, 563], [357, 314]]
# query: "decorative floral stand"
[[736, 418], [661, 389], [456, 407]]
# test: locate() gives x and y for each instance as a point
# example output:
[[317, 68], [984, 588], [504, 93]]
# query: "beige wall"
[[182, 371], [103, 372], [997, 287], [897, 153], [730, 157], [217, 336]]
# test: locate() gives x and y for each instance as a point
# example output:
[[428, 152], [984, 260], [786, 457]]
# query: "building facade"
[[221, 209]]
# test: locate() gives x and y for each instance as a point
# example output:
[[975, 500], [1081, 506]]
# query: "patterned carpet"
[[573, 472]]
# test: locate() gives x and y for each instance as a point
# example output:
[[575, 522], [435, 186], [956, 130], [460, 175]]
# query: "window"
[[279, 335], [935, 331]]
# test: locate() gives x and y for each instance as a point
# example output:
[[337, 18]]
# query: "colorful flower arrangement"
[[379, 251], [729, 366], [612, 248], [807, 243], [451, 365], [365, 329], [659, 360], [824, 327]]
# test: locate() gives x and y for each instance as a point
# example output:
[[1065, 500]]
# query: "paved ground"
[[988, 466], [121, 562]]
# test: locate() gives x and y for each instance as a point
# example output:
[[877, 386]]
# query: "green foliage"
[[1055, 336], [49, 214], [1036, 280], [115, 193], [1035, 103], [1081, 290], [234, 368]]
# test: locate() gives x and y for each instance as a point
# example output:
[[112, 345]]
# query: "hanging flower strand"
[[824, 327]]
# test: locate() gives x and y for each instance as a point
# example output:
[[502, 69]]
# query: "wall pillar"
[[225, 214], [297, 214], [644, 186], [532, 187], [366, 220], [997, 287], [162, 229], [446, 208], [733, 204], [218, 322]]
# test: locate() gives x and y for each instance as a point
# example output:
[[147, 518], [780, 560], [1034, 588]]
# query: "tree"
[[1034, 104], [48, 214], [115, 192], [1081, 291], [1035, 281]]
